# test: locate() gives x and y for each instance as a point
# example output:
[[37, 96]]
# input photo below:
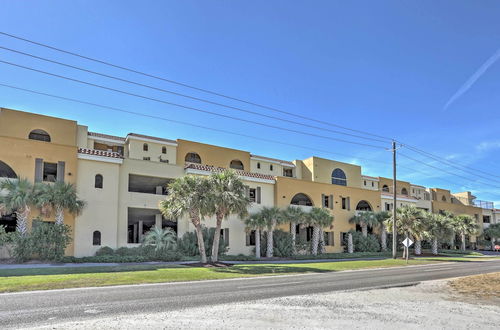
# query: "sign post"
[[407, 243]]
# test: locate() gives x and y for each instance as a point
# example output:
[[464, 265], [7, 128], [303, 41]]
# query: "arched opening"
[[96, 238], [236, 164], [301, 199], [193, 157], [404, 191], [338, 177], [443, 199], [163, 150], [145, 147], [385, 188], [6, 171], [98, 181], [39, 135], [363, 206]]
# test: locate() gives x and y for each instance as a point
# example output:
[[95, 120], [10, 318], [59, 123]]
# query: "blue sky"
[[387, 67]]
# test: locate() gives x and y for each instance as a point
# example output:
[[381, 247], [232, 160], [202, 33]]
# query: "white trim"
[[366, 177], [417, 186], [96, 138], [399, 198], [272, 161], [243, 177], [133, 137], [100, 158]]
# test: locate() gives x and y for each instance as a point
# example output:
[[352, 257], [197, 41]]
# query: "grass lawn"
[[12, 280]]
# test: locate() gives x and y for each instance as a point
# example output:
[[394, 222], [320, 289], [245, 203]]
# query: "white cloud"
[[488, 145], [472, 80]]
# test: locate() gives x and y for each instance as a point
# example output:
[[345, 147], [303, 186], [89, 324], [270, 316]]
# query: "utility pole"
[[394, 232]]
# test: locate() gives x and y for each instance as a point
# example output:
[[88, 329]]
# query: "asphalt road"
[[38, 308]]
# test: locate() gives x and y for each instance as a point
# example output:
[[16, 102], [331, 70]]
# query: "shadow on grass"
[[268, 269], [448, 259]]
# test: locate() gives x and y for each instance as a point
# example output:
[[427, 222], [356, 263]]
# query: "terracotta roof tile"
[[102, 153], [221, 169]]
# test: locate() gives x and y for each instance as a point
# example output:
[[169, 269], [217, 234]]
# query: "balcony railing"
[[484, 204]]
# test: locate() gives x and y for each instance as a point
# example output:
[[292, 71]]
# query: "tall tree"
[[437, 227], [295, 215], [493, 233], [60, 196], [410, 222], [227, 196], [464, 225], [188, 196], [318, 218], [272, 216], [257, 223], [17, 197], [381, 217], [365, 219]]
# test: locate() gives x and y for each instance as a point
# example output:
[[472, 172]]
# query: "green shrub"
[[22, 248], [105, 251], [187, 245], [364, 244], [282, 244], [239, 257], [49, 240]]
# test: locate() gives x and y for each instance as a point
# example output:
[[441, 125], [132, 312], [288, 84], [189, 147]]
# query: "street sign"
[[407, 242]]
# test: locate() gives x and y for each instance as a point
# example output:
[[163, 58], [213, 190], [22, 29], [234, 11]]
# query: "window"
[[146, 158], [6, 171], [224, 235], [271, 168], [301, 199], [338, 177], [413, 190], [163, 150], [98, 181], [343, 238], [145, 147], [486, 219], [443, 199], [373, 184], [345, 203], [328, 238], [236, 164], [404, 191], [385, 188], [327, 201], [39, 135], [49, 172], [288, 172], [193, 157], [364, 182], [309, 233], [363, 206], [250, 238], [388, 206], [258, 165], [96, 238], [253, 194]]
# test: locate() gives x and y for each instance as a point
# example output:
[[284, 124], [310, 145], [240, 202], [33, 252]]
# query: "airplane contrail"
[[468, 84]]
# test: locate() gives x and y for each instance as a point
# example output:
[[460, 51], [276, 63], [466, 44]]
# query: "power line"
[[187, 96], [188, 107], [184, 123], [191, 86]]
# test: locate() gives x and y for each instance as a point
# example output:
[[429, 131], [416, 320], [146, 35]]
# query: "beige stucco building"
[[123, 179]]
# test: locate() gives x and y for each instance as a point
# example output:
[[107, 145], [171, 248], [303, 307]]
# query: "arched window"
[[363, 206], [193, 157], [338, 177], [404, 191], [39, 135], [96, 238], [145, 147], [236, 164], [98, 181], [443, 199], [6, 171], [301, 199], [163, 150], [385, 188]]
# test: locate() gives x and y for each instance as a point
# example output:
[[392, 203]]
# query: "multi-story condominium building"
[[122, 179]]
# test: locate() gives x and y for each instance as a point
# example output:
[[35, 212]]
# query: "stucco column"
[[158, 220], [134, 238], [141, 230]]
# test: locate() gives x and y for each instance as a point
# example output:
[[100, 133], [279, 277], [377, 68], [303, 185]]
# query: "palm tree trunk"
[[22, 220], [418, 247], [201, 243], [59, 215], [435, 246], [383, 238], [257, 243], [350, 245], [462, 245], [293, 230], [452, 242], [216, 240], [269, 250], [364, 229], [492, 244], [321, 241], [315, 240]]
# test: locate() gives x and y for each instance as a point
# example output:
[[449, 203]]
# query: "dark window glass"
[[338, 177], [39, 135], [98, 181]]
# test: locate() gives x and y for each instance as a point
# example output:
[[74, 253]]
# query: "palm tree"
[[59, 196], [227, 196], [410, 222], [437, 227], [162, 239], [257, 223], [493, 232], [381, 217], [464, 225], [450, 216], [295, 215], [318, 218], [188, 196], [365, 219], [271, 216], [17, 198]]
